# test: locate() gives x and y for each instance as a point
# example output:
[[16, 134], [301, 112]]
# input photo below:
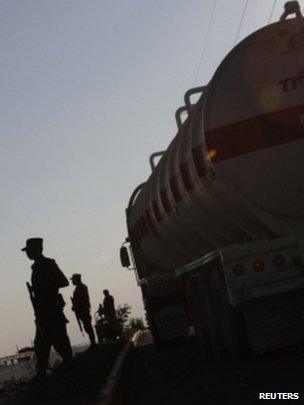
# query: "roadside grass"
[[78, 386]]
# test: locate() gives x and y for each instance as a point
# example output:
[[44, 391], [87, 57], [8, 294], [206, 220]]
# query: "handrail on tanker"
[[134, 194], [190, 93], [178, 114], [291, 7], [152, 158]]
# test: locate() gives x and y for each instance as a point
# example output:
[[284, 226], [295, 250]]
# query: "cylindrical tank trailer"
[[228, 192]]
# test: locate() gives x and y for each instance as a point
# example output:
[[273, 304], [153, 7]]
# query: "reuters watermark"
[[279, 395]]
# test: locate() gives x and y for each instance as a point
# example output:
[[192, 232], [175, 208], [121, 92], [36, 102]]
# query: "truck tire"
[[157, 342], [228, 319], [205, 326]]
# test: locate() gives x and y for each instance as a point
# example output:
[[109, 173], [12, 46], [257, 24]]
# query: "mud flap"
[[275, 321], [171, 322]]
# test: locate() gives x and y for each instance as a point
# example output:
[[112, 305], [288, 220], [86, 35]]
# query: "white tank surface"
[[234, 173]]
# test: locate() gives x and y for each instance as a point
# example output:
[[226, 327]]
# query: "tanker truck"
[[216, 233]]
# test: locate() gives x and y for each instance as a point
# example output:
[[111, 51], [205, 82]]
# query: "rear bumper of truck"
[[256, 283], [268, 291]]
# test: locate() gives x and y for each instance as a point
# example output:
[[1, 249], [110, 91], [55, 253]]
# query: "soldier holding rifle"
[[82, 307], [48, 305]]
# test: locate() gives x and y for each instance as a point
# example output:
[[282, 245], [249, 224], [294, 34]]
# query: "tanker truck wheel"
[[208, 333], [227, 317], [157, 342]]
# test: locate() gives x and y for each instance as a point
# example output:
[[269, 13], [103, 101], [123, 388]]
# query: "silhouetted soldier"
[[110, 315], [82, 307], [109, 307], [48, 304]]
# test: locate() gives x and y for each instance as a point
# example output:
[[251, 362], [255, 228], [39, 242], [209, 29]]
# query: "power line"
[[241, 22], [272, 10], [206, 41]]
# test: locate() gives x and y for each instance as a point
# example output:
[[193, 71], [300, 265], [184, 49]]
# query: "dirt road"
[[179, 375]]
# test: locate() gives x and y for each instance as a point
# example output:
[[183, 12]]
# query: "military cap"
[[76, 276], [33, 243]]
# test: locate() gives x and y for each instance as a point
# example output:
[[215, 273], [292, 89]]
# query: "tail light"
[[258, 265], [279, 261], [238, 269]]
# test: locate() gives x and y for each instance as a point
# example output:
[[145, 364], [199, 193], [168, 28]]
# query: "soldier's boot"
[[92, 339], [41, 374]]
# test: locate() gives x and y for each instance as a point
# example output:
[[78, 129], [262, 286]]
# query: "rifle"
[[32, 298], [77, 317]]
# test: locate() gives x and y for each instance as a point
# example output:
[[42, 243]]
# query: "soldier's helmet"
[[33, 243], [76, 276]]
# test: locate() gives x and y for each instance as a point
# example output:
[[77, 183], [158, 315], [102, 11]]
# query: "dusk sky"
[[88, 91]]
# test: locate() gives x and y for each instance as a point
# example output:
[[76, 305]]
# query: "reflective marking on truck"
[[256, 133]]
